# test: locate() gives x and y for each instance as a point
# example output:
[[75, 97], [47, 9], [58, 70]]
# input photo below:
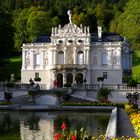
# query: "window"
[[60, 41], [36, 75], [70, 41], [37, 59], [61, 58], [80, 57], [105, 75], [105, 58], [80, 41]]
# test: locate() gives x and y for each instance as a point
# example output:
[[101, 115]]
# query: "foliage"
[[134, 115], [136, 66], [67, 85], [100, 79], [32, 93], [37, 79], [8, 95], [132, 83], [32, 18], [120, 105], [5, 103], [73, 134], [129, 108], [135, 120], [9, 84], [6, 35], [103, 93], [58, 93], [12, 67], [129, 22]]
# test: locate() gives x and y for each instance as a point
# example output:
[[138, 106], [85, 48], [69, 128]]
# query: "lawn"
[[136, 64], [13, 67]]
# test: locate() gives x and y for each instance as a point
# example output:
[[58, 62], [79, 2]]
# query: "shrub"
[[102, 94], [120, 105], [100, 79], [32, 93], [58, 93], [67, 85], [37, 79], [9, 84], [132, 83], [17, 76]]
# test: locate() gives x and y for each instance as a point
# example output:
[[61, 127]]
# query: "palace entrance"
[[60, 80], [69, 78], [79, 78]]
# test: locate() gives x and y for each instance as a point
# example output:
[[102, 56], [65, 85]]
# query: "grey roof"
[[42, 39], [107, 37]]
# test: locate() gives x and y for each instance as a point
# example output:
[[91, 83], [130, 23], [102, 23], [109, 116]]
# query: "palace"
[[74, 55]]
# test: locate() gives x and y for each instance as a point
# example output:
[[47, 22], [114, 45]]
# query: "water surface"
[[43, 125]]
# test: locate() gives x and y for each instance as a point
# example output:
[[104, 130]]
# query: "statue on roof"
[[70, 15]]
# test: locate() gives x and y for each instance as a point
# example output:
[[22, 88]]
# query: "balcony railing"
[[70, 66]]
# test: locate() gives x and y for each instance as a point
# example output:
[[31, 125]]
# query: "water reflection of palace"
[[45, 131], [42, 126]]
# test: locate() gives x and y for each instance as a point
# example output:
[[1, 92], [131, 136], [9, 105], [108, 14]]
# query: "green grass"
[[13, 67], [10, 136], [136, 64]]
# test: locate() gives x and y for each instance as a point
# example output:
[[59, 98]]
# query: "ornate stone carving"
[[70, 55]]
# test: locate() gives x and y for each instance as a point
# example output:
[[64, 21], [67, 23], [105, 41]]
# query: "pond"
[[43, 125]]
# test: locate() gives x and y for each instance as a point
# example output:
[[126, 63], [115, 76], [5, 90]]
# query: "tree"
[[100, 14], [38, 23], [129, 22], [6, 35], [29, 24]]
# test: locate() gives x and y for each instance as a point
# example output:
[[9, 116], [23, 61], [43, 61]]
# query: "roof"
[[42, 39], [107, 37]]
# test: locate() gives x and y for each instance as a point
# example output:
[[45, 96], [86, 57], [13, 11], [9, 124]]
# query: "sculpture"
[[70, 15]]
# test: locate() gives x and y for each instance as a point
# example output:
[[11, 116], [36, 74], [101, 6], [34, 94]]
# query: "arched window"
[[80, 58], [60, 57], [37, 59]]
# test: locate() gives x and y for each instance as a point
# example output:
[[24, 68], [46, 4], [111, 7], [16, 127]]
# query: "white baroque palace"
[[72, 54]]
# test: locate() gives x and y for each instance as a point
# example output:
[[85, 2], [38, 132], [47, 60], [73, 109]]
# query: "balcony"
[[70, 67]]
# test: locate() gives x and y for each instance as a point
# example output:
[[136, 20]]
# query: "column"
[[110, 59], [54, 56], [74, 55], [119, 57], [32, 59], [84, 74], [74, 74], [85, 56], [42, 59], [54, 75], [64, 77], [65, 55], [23, 59]]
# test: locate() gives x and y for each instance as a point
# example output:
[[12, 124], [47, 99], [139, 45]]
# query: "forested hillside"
[[24, 20]]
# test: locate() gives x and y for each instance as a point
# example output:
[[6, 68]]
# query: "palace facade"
[[74, 55]]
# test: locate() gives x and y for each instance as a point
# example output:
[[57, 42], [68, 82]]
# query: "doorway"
[[60, 80]]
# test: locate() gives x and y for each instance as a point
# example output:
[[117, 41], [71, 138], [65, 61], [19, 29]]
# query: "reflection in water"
[[43, 125]]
